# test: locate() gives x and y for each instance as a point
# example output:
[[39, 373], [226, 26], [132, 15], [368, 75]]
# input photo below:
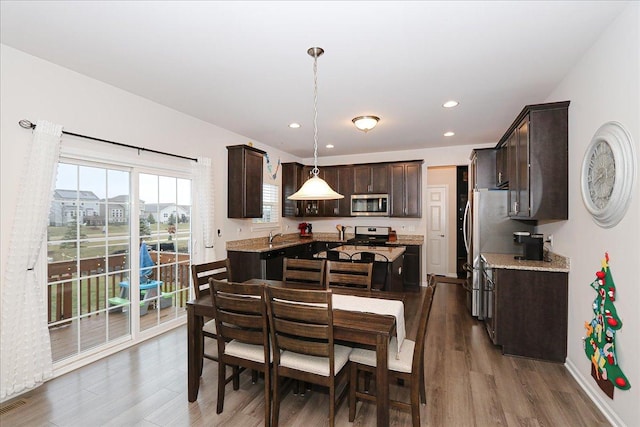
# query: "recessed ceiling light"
[[329, 145], [294, 125], [450, 104], [449, 133]]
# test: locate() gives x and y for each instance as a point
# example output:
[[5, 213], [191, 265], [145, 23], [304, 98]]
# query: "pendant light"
[[315, 188]]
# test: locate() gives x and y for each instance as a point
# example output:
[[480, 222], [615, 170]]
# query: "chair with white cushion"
[[243, 336], [301, 326], [408, 366], [200, 275]]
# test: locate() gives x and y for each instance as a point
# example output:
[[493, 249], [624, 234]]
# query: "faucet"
[[273, 236]]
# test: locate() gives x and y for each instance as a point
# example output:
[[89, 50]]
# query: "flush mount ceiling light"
[[294, 125], [365, 123], [315, 188], [449, 133], [450, 104]]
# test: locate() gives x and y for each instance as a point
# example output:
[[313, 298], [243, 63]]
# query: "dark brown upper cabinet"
[[244, 177], [292, 180], [371, 178], [537, 145], [404, 188], [330, 207], [483, 168], [345, 187], [405, 195], [502, 162]]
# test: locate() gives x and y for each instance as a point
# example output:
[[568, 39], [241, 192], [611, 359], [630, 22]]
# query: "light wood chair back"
[[311, 271], [301, 326], [243, 336], [349, 274]]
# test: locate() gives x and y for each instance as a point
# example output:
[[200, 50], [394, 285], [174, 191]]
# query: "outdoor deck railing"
[[93, 292]]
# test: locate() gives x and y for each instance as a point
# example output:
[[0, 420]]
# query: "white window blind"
[[270, 205]]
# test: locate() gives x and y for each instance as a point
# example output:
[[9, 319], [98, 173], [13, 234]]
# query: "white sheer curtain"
[[25, 347], [204, 190]]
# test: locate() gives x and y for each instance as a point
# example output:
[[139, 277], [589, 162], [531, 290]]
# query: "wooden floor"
[[469, 383]]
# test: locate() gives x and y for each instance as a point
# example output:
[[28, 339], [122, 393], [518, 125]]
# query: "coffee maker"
[[532, 244]]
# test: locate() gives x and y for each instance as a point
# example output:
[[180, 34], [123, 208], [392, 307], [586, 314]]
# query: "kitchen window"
[[270, 207]]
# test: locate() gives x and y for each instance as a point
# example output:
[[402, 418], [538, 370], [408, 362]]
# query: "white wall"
[[604, 86], [35, 89]]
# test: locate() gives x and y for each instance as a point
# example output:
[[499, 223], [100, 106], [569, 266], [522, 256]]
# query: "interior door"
[[437, 245]]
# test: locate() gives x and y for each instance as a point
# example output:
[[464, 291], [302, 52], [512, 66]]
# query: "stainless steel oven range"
[[369, 235]]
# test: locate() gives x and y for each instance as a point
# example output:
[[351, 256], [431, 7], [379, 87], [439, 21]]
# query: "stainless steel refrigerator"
[[488, 229]]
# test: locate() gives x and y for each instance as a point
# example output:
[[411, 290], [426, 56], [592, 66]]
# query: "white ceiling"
[[243, 65]]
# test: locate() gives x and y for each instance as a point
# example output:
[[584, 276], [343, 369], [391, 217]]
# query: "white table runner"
[[374, 305]]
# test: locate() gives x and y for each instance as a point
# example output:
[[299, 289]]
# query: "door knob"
[[442, 235]]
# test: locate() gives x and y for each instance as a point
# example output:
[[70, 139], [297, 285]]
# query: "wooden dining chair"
[[301, 326], [200, 275], [243, 336], [380, 267], [300, 270], [349, 274], [408, 366]]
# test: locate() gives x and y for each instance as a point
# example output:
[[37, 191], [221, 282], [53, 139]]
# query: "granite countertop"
[[555, 263], [261, 244], [408, 239], [390, 252]]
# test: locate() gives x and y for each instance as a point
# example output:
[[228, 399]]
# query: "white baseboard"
[[593, 394]]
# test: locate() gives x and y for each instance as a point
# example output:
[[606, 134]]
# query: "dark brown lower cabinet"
[[411, 267], [246, 265], [530, 313], [265, 265]]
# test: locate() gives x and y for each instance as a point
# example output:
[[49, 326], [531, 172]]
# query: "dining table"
[[361, 328]]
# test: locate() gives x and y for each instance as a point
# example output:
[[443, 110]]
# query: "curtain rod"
[[28, 125]]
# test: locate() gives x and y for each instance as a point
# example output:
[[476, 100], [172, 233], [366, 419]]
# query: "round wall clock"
[[608, 174]]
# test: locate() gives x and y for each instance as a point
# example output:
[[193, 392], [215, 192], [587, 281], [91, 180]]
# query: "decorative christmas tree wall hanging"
[[599, 345]]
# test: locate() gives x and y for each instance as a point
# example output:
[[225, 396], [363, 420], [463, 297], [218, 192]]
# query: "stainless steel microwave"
[[370, 205]]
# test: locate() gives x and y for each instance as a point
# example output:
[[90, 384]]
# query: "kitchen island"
[[387, 259], [257, 258]]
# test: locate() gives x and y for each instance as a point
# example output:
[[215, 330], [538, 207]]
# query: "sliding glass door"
[[102, 289], [165, 233]]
